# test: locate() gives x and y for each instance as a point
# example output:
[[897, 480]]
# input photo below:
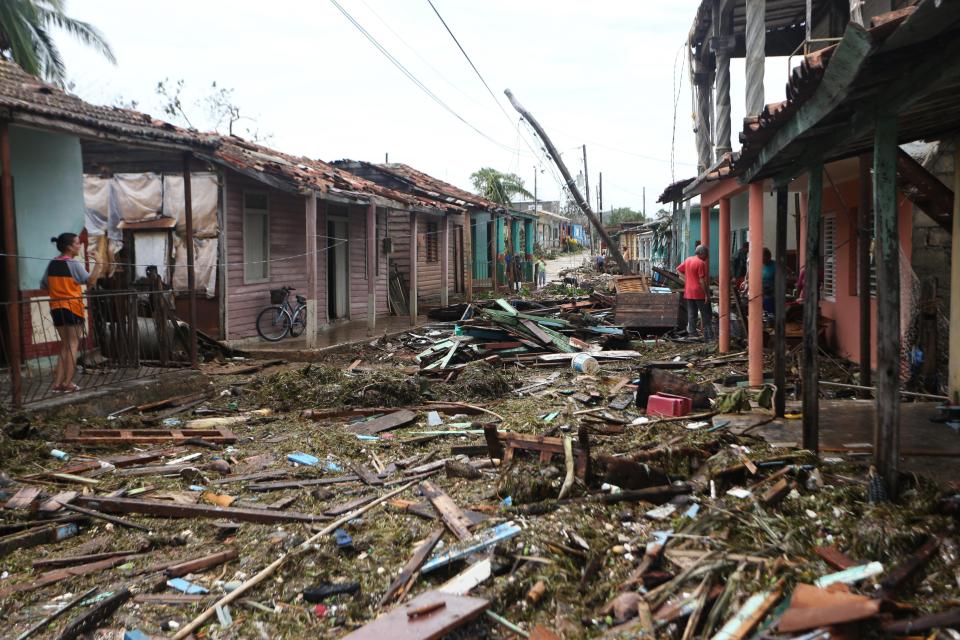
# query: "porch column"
[[468, 255], [755, 289], [12, 284], [310, 229], [529, 240], [501, 252], [445, 261], [724, 258], [811, 311], [954, 361], [371, 268], [780, 302], [863, 277], [191, 273], [413, 269], [705, 226], [886, 444]]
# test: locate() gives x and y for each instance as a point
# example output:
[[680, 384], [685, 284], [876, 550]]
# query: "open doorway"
[[337, 269]]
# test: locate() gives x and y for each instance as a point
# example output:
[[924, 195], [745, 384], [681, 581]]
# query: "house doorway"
[[337, 269]]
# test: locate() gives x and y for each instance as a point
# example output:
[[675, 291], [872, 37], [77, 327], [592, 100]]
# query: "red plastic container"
[[667, 405]]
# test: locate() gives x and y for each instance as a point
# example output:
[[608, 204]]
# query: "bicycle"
[[281, 318]]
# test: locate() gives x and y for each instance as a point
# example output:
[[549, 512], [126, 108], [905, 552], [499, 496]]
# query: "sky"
[[602, 74]]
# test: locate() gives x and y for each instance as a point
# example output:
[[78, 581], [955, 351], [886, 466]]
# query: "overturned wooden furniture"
[[143, 436], [503, 445], [647, 310]]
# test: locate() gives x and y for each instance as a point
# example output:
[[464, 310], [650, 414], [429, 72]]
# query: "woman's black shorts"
[[65, 318]]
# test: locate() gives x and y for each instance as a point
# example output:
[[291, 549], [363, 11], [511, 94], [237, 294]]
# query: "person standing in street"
[[696, 291]]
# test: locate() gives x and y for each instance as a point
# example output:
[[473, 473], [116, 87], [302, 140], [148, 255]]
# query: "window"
[[830, 257], [256, 237], [432, 242]]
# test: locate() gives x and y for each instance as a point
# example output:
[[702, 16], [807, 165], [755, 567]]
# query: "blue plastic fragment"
[[330, 465], [363, 436], [197, 487], [342, 537], [135, 634], [482, 540], [303, 458], [507, 502], [185, 586], [692, 511]]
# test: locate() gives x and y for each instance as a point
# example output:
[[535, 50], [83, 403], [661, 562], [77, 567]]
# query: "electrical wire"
[[414, 78]]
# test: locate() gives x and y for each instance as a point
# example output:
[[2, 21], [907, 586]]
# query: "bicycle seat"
[[289, 288], [301, 299]]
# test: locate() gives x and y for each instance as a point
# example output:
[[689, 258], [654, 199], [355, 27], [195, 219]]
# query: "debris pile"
[[365, 499]]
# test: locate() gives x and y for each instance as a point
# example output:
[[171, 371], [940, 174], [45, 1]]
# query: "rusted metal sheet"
[[139, 436], [172, 510], [441, 613]]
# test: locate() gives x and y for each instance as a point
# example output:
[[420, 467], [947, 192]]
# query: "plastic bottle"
[[60, 455]]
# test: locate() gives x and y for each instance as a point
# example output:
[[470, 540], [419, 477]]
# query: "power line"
[[477, 71], [412, 77]]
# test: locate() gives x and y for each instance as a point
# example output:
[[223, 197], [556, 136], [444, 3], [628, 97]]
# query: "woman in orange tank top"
[[63, 280]]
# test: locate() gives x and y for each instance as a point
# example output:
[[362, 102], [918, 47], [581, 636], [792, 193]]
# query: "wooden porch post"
[[755, 287], [445, 260], [468, 255], [11, 267], [371, 268], [887, 433], [310, 229], [954, 361], [811, 311], [724, 259], [863, 277], [413, 269], [780, 302], [191, 272]]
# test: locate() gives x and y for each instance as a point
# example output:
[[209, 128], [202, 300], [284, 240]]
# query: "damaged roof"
[[438, 189], [28, 100], [891, 55]]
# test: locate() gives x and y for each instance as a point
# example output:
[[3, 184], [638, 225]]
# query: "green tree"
[[623, 214], [498, 186], [26, 38]]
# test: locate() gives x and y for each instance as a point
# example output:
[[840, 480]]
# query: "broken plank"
[[37, 536], [106, 518], [200, 564], [256, 477], [170, 598], [895, 579], [384, 423], [143, 458], [349, 506], [56, 502], [912, 626], [23, 499], [141, 436], [401, 584], [366, 475], [537, 331], [172, 510], [306, 482], [450, 513], [464, 582], [69, 561], [59, 575], [96, 616], [835, 558], [57, 614]]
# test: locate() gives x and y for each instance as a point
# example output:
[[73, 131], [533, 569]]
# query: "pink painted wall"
[[428, 273], [844, 310]]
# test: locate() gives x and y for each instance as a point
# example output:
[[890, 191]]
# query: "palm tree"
[[497, 186], [25, 36]]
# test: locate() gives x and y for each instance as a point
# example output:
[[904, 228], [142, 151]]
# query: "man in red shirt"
[[696, 291]]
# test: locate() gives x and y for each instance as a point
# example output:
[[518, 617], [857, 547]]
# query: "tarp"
[[204, 194], [139, 196], [205, 265]]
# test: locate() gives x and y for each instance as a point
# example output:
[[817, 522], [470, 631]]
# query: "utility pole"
[[600, 197], [644, 212], [386, 158], [571, 185], [586, 188]]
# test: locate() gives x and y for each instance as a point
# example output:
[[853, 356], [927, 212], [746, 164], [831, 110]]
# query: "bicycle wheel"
[[299, 324], [273, 323]]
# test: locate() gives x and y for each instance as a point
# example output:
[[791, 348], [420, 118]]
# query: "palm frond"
[[54, 69], [17, 18], [82, 31]]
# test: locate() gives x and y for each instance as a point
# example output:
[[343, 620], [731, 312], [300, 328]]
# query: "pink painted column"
[[755, 281], [802, 240], [724, 259]]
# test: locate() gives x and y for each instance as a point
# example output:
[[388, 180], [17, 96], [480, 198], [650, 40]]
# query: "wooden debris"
[[166, 509], [835, 558], [67, 561], [96, 616], [465, 581], [140, 436], [57, 614], [36, 536], [450, 513], [58, 575], [402, 583], [945, 619], [811, 608], [440, 613], [23, 499], [390, 421], [106, 518], [200, 564], [896, 578]]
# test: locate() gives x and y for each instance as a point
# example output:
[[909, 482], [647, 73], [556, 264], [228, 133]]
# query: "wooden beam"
[[312, 292], [864, 238], [838, 79], [412, 296], [172, 510], [191, 269], [725, 280], [444, 242], [887, 431], [811, 311], [954, 361], [780, 303], [11, 269], [371, 268]]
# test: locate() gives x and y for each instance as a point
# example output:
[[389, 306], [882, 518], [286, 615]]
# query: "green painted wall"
[[481, 267], [48, 195]]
